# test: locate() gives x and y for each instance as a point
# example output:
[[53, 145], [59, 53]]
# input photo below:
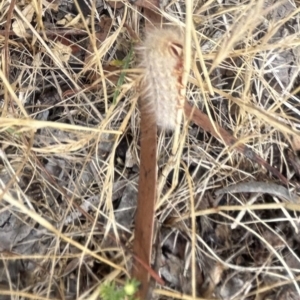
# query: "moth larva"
[[161, 57]]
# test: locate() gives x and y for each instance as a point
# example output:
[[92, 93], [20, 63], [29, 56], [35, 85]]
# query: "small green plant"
[[124, 64], [109, 291]]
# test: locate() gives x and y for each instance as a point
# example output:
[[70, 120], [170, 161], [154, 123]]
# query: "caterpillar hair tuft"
[[161, 58]]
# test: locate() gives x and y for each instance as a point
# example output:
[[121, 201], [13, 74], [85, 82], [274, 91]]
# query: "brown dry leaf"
[[149, 4], [116, 4], [65, 20], [18, 26], [233, 286], [73, 22], [71, 266], [28, 11], [295, 143], [288, 293], [51, 5], [105, 25], [213, 279], [273, 239], [172, 271], [63, 52]]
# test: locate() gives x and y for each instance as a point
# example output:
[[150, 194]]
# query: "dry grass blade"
[[204, 122], [259, 187], [6, 50], [51, 228]]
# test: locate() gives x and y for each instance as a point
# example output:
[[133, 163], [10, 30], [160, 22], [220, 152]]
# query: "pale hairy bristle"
[[161, 57]]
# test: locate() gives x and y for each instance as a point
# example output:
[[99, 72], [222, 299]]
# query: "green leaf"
[[122, 76], [131, 287], [109, 291], [117, 63]]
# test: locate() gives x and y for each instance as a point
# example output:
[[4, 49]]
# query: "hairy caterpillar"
[[161, 58]]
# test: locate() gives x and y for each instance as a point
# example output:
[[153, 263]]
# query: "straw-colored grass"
[[70, 151]]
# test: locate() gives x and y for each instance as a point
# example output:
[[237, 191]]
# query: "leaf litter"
[[70, 152]]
